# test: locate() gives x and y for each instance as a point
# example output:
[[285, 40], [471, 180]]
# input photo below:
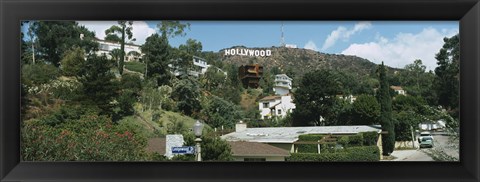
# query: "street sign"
[[183, 150]]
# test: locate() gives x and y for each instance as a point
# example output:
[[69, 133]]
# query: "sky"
[[396, 43]]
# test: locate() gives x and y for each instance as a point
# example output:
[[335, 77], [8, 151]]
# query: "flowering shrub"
[[89, 138]]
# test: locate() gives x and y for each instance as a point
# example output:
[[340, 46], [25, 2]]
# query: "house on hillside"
[[399, 90], [199, 67], [250, 75], [283, 84], [350, 98], [132, 51], [276, 106]]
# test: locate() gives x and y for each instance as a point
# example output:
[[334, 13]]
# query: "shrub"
[[89, 138], [344, 141], [40, 73], [310, 148], [355, 140], [370, 138], [352, 154]]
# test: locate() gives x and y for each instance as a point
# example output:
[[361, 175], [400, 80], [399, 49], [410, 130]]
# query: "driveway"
[[411, 155]]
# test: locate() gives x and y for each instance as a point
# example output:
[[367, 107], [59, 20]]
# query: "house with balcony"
[[250, 75], [283, 84]]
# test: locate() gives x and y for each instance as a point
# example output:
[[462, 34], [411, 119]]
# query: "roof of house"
[[242, 148], [290, 134], [157, 145], [271, 97], [396, 87]]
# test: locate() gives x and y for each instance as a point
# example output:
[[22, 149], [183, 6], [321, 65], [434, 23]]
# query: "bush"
[[355, 140], [310, 148], [40, 73], [370, 138], [344, 141], [352, 154], [89, 138]]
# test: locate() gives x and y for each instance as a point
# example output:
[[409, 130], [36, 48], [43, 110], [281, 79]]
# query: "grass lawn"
[[135, 66]]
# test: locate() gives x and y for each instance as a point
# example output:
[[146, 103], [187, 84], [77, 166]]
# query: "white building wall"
[[286, 106], [265, 111]]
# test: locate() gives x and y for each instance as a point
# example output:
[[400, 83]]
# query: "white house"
[[283, 84], [399, 90], [276, 106], [132, 51], [200, 66]]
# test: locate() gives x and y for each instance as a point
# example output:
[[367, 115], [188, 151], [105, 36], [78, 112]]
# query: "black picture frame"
[[13, 11]]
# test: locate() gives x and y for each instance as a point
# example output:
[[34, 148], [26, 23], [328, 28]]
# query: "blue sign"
[[183, 150]]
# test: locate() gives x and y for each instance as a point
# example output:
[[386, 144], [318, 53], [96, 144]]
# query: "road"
[[444, 149]]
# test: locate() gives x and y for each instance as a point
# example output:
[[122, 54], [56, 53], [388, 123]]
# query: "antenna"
[[282, 42]]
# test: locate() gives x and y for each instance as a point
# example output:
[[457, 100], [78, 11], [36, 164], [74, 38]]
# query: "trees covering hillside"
[[78, 105]]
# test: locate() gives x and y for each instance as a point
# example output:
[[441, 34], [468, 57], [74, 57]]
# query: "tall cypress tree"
[[386, 119]]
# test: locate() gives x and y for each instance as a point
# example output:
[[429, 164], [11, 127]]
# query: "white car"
[[424, 134]]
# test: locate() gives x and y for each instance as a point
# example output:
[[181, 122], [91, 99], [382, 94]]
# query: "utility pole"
[[282, 41]]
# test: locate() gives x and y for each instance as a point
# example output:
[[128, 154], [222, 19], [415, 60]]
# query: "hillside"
[[301, 60]]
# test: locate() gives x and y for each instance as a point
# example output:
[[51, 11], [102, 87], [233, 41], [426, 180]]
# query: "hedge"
[[352, 154], [360, 139], [370, 138], [309, 148], [355, 140]]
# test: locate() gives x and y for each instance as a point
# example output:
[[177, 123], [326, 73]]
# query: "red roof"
[[241, 148]]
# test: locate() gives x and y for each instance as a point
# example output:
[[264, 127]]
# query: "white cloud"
[[344, 34], [311, 45], [404, 48], [141, 30]]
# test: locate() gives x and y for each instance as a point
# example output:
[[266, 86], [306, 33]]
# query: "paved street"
[[443, 146], [411, 155]]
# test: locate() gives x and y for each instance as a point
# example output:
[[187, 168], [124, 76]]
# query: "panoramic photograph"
[[240, 91]]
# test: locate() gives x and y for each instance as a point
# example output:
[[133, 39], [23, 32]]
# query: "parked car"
[[424, 134], [426, 142]]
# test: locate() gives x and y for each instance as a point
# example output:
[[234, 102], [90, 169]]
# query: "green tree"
[[266, 83], [220, 113], [192, 47], [99, 84], [56, 37], [447, 72], [124, 28], [386, 119], [73, 62], [213, 148], [186, 93], [214, 81], [315, 97], [366, 110], [171, 29], [156, 57]]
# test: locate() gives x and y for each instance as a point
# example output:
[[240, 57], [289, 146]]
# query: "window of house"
[[254, 159], [265, 105], [279, 111], [265, 117]]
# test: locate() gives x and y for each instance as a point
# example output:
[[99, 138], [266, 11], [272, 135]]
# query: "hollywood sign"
[[248, 52]]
